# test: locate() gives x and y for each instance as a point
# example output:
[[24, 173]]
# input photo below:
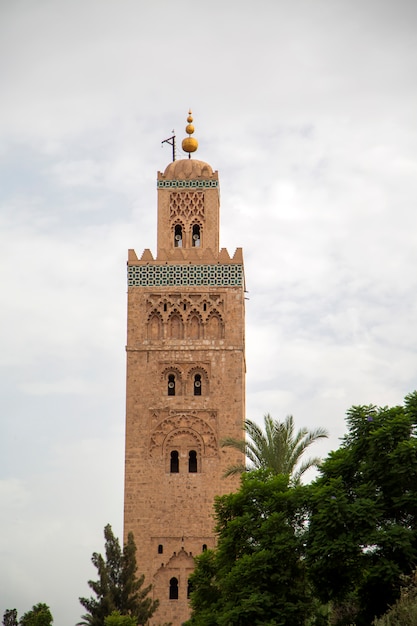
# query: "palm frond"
[[276, 447]]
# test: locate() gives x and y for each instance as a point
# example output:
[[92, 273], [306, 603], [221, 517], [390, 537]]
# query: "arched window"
[[192, 461], [178, 236], [189, 588], [171, 385], [173, 589], [175, 462], [204, 547], [160, 548], [197, 385], [196, 236]]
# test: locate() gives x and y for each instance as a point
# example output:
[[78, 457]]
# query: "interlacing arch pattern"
[[186, 205], [185, 319]]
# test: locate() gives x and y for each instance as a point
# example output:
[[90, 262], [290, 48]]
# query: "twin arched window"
[[197, 385], [174, 466], [173, 588], [195, 236]]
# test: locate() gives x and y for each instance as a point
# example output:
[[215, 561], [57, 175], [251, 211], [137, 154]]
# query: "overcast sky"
[[307, 109]]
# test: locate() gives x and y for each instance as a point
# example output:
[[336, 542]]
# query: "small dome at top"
[[188, 169]]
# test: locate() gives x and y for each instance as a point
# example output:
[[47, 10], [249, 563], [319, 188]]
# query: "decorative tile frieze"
[[159, 275], [172, 184]]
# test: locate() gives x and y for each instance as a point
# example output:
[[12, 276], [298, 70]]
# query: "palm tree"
[[278, 449]]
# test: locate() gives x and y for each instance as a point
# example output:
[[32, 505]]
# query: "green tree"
[[117, 619], [10, 617], [256, 575], [118, 587], [363, 525], [40, 615], [404, 611], [276, 448]]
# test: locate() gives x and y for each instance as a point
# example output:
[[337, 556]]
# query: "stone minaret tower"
[[185, 381]]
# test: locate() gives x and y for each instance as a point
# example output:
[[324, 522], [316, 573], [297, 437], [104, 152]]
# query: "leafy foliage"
[[257, 574], [404, 612], [10, 617], [277, 448], [117, 619], [40, 615], [118, 588], [363, 526]]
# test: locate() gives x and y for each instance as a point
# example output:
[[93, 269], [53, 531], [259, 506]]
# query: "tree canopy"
[[277, 448], [336, 551], [10, 617], [256, 575], [117, 619], [118, 587], [39, 615], [363, 527]]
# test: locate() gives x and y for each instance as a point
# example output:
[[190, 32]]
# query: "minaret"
[[185, 381]]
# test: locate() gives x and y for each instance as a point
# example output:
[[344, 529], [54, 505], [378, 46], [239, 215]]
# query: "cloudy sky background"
[[308, 111]]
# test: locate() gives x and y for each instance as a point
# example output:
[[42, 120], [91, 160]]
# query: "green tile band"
[[170, 275], [170, 184]]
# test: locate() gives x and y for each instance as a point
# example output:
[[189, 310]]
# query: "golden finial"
[[189, 144]]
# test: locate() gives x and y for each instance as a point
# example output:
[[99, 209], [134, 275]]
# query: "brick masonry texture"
[[185, 390]]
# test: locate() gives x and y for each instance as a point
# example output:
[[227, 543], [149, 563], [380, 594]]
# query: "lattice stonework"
[[158, 275], [186, 204]]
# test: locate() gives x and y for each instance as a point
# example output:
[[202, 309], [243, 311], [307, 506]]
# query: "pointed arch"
[[194, 325], [155, 326], [214, 326], [175, 326]]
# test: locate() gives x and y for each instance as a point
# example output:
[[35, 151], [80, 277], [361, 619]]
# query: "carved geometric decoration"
[[192, 424], [186, 204]]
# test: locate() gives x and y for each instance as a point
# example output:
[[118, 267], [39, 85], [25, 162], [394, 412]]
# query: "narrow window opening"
[[196, 236], [189, 588], [171, 385], [204, 547], [175, 462], [185, 307], [173, 589], [165, 306], [160, 548], [192, 461], [178, 236], [197, 385], [204, 307]]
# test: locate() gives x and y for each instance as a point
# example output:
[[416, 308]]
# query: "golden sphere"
[[189, 144], [189, 129], [190, 118]]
